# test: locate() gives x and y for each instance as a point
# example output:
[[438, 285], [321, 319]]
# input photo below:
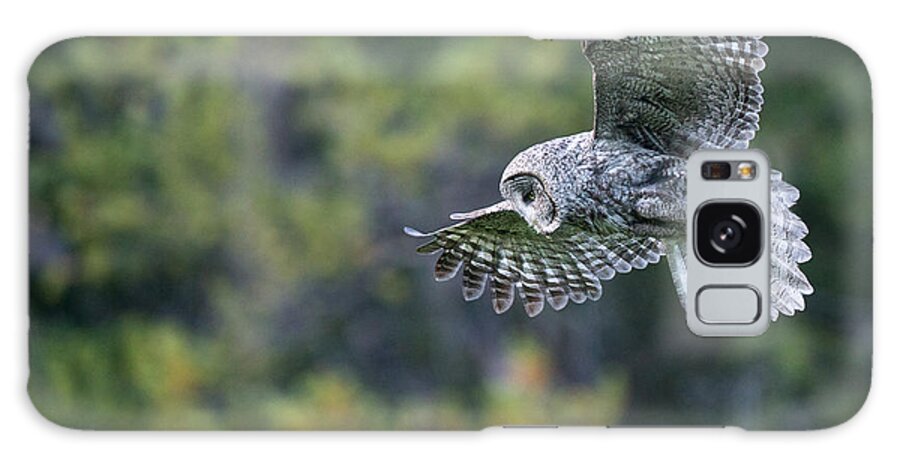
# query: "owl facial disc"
[[531, 200]]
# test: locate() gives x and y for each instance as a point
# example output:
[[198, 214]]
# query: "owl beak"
[[541, 227], [531, 218]]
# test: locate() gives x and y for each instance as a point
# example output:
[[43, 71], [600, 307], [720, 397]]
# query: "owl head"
[[527, 195], [540, 183]]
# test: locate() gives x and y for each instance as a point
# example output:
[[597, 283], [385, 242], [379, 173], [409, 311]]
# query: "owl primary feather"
[[578, 210]]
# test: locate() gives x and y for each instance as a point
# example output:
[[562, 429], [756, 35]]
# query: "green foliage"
[[215, 242]]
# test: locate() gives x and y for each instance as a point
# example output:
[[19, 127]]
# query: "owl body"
[[580, 209], [607, 186]]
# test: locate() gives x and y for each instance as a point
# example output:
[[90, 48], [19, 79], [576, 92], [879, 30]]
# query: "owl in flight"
[[578, 210]]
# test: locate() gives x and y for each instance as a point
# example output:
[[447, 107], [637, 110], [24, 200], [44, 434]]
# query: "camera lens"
[[728, 233]]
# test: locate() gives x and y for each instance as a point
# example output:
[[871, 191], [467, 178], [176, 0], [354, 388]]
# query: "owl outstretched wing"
[[677, 94], [496, 245]]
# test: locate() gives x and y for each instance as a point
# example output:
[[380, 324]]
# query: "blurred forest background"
[[215, 242]]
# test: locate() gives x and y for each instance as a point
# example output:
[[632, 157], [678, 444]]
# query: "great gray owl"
[[577, 210]]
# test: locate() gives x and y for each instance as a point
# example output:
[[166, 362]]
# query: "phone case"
[[223, 232]]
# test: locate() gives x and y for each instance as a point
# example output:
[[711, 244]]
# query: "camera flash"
[[746, 170]]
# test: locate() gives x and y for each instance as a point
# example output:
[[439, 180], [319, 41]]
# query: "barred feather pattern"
[[656, 101], [789, 284], [500, 250], [677, 94]]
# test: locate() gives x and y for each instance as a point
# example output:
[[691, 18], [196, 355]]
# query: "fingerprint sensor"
[[721, 304]]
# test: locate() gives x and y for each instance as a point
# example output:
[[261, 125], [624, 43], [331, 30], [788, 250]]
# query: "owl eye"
[[528, 196]]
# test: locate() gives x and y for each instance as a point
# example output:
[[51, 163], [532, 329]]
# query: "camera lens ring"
[[728, 233]]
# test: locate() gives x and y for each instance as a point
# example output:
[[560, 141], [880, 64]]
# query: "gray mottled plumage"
[[579, 209]]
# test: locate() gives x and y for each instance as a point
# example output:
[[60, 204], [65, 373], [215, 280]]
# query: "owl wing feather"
[[788, 284], [677, 94], [498, 247], [673, 95]]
